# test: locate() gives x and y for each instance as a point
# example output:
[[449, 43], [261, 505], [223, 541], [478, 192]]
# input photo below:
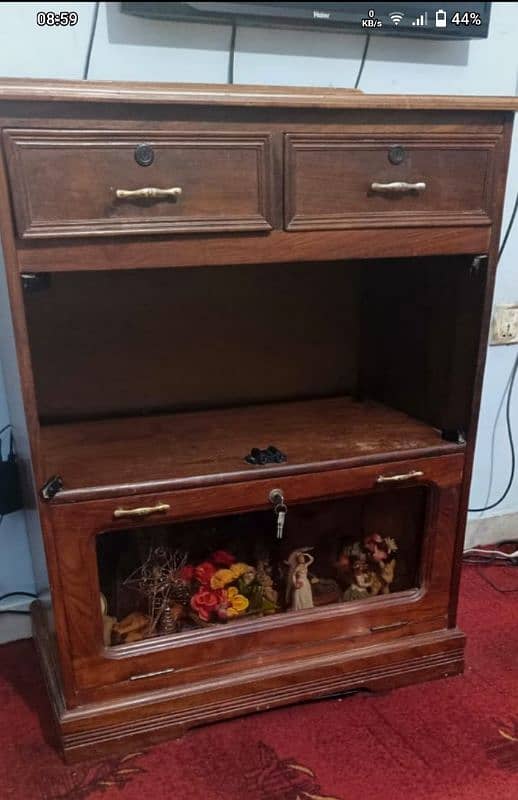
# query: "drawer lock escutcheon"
[[406, 476], [398, 187], [149, 193], [143, 511]]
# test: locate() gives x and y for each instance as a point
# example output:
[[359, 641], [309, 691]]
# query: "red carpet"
[[453, 739]]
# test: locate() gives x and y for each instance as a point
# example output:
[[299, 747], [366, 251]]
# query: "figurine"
[[108, 622], [380, 551], [298, 588], [363, 581], [132, 628], [265, 579]]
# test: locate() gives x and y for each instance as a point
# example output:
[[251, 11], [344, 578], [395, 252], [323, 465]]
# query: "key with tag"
[[280, 509], [281, 512]]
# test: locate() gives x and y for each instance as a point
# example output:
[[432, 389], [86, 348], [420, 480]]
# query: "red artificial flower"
[[206, 601], [204, 572], [187, 573], [223, 558]]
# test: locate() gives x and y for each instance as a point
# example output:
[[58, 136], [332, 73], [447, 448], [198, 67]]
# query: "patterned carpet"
[[455, 739]]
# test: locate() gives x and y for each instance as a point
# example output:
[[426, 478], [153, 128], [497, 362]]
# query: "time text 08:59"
[[56, 18]]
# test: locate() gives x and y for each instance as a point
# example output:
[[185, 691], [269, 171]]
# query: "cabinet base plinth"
[[126, 724]]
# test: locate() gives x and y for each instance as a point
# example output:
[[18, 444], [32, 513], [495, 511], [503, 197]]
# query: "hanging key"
[[280, 509], [281, 517]]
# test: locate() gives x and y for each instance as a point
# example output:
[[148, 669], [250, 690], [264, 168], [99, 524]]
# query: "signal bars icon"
[[421, 20], [396, 17]]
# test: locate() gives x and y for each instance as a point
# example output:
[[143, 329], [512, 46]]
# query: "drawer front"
[[342, 182], [183, 657], [89, 183]]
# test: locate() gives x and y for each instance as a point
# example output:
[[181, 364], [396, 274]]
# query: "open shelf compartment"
[[168, 378]]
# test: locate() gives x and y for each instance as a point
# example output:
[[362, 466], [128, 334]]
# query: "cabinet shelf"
[[117, 457]]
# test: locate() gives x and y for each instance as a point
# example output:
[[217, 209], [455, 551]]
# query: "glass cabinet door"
[[188, 576]]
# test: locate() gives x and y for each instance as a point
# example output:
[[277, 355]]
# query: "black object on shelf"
[[270, 455], [10, 491]]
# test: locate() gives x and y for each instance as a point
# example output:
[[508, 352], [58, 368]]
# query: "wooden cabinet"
[[249, 336]]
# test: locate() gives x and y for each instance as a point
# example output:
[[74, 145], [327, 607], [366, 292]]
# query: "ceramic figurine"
[[380, 551], [132, 628], [265, 579], [298, 588], [108, 622], [363, 580]]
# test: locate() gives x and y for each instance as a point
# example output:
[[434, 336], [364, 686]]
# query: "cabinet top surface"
[[33, 90]]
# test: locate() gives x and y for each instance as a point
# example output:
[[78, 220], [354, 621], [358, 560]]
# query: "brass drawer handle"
[[143, 511], [406, 476], [398, 187], [149, 192], [390, 627]]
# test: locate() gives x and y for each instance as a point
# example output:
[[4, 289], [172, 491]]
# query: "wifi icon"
[[396, 17]]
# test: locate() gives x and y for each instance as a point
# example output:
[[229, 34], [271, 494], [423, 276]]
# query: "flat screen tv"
[[428, 20]]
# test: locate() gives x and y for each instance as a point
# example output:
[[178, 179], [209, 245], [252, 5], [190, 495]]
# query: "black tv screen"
[[428, 20]]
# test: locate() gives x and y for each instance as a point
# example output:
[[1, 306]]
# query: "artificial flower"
[[204, 572], [205, 602], [221, 578], [237, 602], [238, 569], [223, 557]]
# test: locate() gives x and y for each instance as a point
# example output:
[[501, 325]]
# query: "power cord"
[[231, 54], [12, 594], [482, 557], [511, 444], [362, 62], [510, 387], [91, 41], [16, 610], [2, 431]]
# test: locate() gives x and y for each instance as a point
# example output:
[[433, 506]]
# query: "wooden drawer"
[[186, 656], [343, 182], [65, 183]]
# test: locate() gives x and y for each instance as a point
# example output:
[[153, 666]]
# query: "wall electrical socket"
[[505, 325]]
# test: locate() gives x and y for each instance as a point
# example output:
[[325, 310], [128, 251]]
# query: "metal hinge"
[[476, 264], [456, 435], [51, 487]]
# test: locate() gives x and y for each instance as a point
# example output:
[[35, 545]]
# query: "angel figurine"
[[298, 586]]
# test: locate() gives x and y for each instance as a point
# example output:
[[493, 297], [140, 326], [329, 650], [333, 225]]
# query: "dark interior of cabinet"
[[362, 546], [144, 352]]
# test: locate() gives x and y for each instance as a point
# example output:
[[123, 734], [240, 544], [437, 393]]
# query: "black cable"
[[91, 41], [5, 428], [510, 389], [231, 54], [18, 594], [508, 231], [511, 443], [14, 611], [362, 63]]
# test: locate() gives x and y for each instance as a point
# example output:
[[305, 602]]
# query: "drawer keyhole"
[[144, 155]]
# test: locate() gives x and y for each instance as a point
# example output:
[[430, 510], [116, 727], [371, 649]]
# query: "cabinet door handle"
[[149, 192], [398, 187], [143, 511], [406, 476]]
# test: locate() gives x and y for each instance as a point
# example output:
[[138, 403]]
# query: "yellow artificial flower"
[[221, 578], [238, 569], [238, 603]]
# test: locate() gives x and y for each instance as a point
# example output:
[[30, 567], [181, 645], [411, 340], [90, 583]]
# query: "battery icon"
[[440, 18]]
